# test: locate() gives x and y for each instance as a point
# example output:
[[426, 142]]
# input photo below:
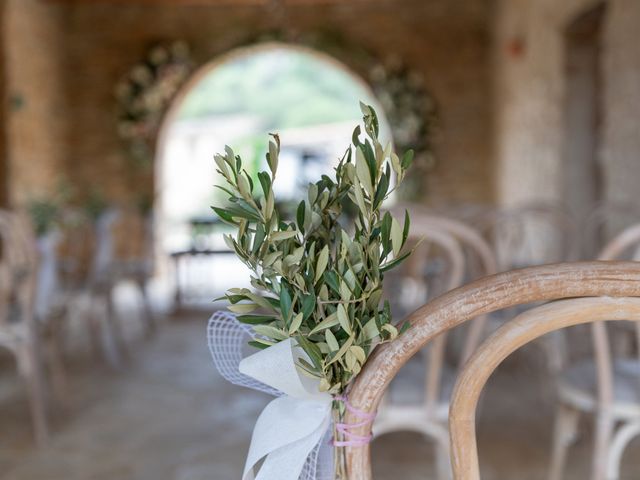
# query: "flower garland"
[[145, 93]]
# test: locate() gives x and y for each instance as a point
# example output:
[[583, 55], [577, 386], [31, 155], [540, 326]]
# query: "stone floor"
[[169, 416]]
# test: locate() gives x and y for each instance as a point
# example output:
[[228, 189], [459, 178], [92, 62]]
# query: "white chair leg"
[[621, 439], [443, 459], [59, 380], [564, 434], [115, 331], [147, 311], [602, 440], [31, 371]]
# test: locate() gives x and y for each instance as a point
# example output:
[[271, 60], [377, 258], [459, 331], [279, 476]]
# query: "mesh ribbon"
[[226, 337]]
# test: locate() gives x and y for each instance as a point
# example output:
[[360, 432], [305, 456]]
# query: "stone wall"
[[530, 91], [449, 44]]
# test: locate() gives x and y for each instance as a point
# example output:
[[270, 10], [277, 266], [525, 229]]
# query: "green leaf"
[[396, 237], [311, 350], [395, 262], [308, 305], [342, 351], [405, 230], [242, 307], [363, 173], [259, 299], [300, 216], [255, 319], [332, 280], [258, 238], [405, 326], [272, 157], [280, 236], [330, 321], [407, 158], [295, 323], [259, 345], [321, 265], [381, 191], [370, 330], [355, 137], [265, 182], [358, 352], [285, 301], [270, 332], [331, 340], [223, 214], [343, 319]]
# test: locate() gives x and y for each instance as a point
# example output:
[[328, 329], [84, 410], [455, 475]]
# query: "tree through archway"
[[310, 99]]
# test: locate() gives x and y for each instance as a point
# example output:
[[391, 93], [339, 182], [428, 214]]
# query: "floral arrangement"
[[318, 282], [412, 115], [146, 92]]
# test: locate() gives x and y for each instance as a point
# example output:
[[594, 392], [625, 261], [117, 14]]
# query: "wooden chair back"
[[525, 328], [19, 264], [532, 234], [486, 295], [452, 276]]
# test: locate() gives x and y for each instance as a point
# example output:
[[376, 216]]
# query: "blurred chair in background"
[[605, 385], [19, 328], [605, 221], [523, 329], [117, 258]]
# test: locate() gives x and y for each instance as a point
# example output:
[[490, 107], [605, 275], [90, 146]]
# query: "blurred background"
[[525, 119]]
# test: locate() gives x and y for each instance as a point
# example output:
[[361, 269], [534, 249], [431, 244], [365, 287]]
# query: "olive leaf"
[[319, 278]]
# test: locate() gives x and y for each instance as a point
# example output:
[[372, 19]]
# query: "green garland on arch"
[[147, 90], [145, 93]]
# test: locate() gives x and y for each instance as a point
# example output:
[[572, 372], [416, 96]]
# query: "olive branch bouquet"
[[317, 278]]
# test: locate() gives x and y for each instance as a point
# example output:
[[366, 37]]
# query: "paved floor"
[[169, 416]]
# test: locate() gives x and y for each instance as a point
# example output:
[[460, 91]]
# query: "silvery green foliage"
[[314, 279]]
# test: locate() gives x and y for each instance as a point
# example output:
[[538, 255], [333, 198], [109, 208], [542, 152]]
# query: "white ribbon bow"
[[290, 431], [290, 426]]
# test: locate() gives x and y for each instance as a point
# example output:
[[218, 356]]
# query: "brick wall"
[[449, 42], [36, 106]]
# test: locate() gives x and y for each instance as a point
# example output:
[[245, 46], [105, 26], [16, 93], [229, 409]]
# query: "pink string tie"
[[353, 439]]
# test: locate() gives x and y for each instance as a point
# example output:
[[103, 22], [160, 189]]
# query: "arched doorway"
[[306, 96]]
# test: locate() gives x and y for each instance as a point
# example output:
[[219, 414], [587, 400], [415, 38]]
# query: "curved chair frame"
[[533, 284], [468, 237], [525, 328]]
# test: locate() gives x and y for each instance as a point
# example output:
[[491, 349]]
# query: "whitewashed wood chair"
[[603, 224], [488, 294], [19, 330], [604, 386], [51, 310], [523, 329], [110, 267], [427, 412]]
